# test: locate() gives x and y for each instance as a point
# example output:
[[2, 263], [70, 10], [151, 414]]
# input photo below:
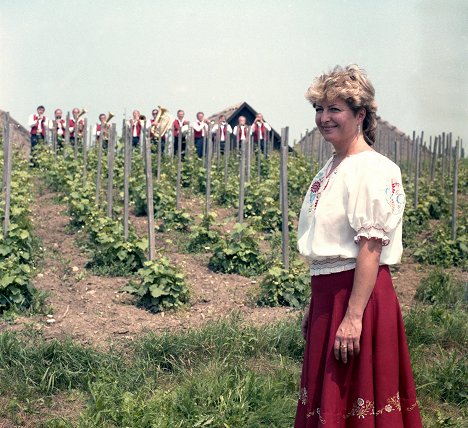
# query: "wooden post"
[[110, 169], [98, 168], [449, 152], [179, 169], [66, 143], [240, 215], [54, 138], [172, 149], [7, 167], [127, 161], [416, 173], [6, 146], [248, 144], [149, 195], [434, 157], [455, 190], [442, 150], [209, 149], [75, 133], [284, 196], [85, 130], [227, 152]]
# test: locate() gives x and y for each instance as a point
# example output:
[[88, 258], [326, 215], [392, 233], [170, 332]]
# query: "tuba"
[[162, 122]]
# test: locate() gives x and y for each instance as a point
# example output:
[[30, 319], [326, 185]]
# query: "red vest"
[[222, 132], [34, 128], [256, 133], [241, 133], [198, 134], [136, 126], [60, 127], [71, 124], [177, 126]]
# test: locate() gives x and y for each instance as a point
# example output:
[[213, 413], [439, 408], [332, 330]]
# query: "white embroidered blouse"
[[363, 196]]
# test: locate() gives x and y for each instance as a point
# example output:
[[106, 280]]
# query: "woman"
[[356, 370]]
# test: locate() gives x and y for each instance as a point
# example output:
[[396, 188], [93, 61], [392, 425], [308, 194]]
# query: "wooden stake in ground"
[[149, 195], [248, 151], [179, 168], [240, 215], [209, 149], [110, 169], [6, 146], [416, 173], [455, 190], [227, 151], [434, 157], [7, 166], [85, 151], [284, 197], [66, 143], [127, 160], [98, 169]]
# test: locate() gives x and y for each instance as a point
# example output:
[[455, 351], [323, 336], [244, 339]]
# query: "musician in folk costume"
[[200, 129], [38, 125], [154, 140], [102, 128], [136, 124], [259, 130], [60, 125], [180, 125], [76, 125], [221, 130], [240, 131]]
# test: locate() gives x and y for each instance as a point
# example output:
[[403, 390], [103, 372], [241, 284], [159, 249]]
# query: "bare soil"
[[93, 309]]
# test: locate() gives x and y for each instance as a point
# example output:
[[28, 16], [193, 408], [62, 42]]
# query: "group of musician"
[[39, 124]]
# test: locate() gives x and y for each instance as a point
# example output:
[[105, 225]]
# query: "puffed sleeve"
[[376, 200]]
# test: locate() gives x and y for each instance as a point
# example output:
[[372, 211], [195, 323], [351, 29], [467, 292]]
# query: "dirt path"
[[92, 309]]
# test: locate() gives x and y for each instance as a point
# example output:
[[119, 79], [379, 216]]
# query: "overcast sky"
[[117, 55]]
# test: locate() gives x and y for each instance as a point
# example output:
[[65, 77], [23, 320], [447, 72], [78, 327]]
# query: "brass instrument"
[[162, 122], [81, 113], [109, 117], [142, 117]]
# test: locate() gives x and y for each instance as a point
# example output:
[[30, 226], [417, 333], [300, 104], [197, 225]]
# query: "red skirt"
[[375, 388]]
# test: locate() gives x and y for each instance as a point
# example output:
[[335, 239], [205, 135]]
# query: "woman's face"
[[336, 121]]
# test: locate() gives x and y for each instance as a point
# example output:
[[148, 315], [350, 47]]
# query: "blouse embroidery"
[[361, 408], [316, 187], [395, 197]]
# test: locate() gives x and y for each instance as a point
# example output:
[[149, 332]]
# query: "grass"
[[226, 374]]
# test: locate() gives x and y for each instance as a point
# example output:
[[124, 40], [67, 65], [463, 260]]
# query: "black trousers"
[[183, 145], [36, 139], [199, 146], [135, 141]]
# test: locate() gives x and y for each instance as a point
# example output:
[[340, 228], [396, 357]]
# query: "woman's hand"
[[347, 338], [305, 323], [349, 332]]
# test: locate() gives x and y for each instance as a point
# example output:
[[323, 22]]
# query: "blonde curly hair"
[[352, 85]]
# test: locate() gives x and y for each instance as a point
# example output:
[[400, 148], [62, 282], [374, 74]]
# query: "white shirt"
[[243, 132], [32, 122], [200, 126], [222, 134], [363, 196], [261, 136]]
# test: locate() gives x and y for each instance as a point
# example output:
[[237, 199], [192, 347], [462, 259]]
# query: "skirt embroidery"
[[361, 408]]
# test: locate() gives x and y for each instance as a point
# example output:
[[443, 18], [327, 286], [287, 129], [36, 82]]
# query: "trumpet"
[[142, 117], [162, 123]]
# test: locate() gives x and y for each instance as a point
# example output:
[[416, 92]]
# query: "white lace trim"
[[372, 233]]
